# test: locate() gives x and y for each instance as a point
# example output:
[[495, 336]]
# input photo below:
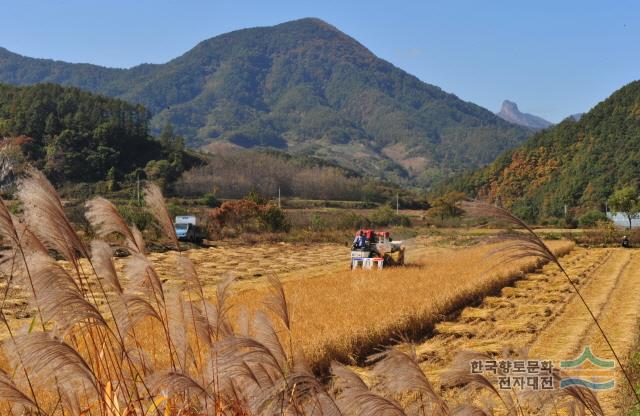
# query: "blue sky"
[[553, 58]]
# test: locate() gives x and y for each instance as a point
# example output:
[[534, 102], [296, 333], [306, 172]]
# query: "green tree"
[[112, 180], [159, 171], [625, 201], [166, 137]]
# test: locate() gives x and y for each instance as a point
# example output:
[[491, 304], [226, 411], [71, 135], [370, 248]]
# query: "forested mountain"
[[304, 87], [510, 112], [76, 136], [578, 163]]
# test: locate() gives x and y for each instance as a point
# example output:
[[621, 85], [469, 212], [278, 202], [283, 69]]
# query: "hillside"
[[578, 163], [75, 136], [304, 87], [510, 112]]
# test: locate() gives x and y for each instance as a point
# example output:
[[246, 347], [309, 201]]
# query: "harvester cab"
[[379, 246]]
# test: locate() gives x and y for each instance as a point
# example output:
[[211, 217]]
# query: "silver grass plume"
[[459, 374], [178, 326], [47, 359], [299, 393], [355, 398], [237, 354], [170, 383], [156, 206], [7, 225], [127, 308], [277, 301], [44, 213], [583, 397], [105, 220], [399, 373], [223, 290], [29, 242], [265, 333], [134, 308], [468, 410], [59, 298], [142, 275], [189, 274], [12, 394], [102, 259]]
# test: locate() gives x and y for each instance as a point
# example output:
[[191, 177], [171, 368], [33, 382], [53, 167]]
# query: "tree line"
[[234, 173]]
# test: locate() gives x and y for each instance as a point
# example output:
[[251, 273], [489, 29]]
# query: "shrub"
[[384, 216], [317, 223], [234, 214], [245, 215], [353, 221], [273, 218], [591, 218], [136, 215], [256, 198], [209, 199]]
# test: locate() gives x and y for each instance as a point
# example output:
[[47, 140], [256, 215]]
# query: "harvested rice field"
[[541, 318], [215, 264]]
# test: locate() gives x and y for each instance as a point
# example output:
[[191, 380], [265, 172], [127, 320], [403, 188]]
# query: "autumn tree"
[[446, 206]]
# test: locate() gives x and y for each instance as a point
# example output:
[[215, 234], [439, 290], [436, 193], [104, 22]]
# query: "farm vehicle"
[[187, 229], [371, 248]]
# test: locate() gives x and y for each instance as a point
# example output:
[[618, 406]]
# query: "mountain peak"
[[511, 113], [312, 21], [508, 106]]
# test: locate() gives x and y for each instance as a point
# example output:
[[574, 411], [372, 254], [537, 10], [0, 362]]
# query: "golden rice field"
[[344, 315]]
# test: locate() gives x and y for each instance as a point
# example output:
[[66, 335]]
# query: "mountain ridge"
[[302, 86]]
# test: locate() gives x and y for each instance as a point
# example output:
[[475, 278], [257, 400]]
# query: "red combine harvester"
[[373, 249]]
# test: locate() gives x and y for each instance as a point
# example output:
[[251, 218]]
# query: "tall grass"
[[136, 345]]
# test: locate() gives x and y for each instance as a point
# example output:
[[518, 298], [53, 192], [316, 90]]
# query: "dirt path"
[[542, 315]]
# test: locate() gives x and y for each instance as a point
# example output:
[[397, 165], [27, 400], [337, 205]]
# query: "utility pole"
[[279, 204], [397, 203]]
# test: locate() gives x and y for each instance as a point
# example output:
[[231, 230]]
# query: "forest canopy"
[[76, 136]]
